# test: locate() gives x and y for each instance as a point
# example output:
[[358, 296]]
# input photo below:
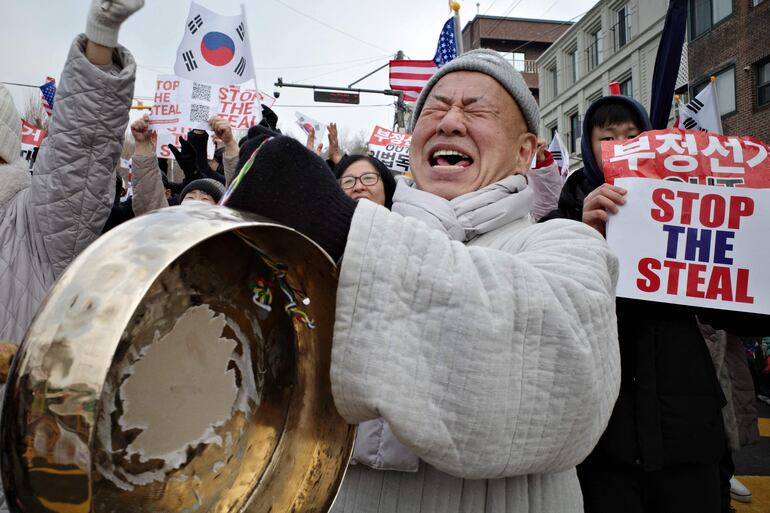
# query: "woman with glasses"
[[364, 177]]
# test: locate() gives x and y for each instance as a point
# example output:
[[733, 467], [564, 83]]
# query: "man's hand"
[[311, 142], [222, 130], [600, 203], [143, 136], [335, 155]]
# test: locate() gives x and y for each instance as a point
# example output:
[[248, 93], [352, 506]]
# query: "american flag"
[[49, 93], [411, 76]]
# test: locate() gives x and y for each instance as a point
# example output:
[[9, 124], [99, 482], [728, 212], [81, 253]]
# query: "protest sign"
[[240, 106], [31, 139], [693, 245], [692, 231], [266, 99], [689, 156], [391, 148], [168, 136], [181, 103]]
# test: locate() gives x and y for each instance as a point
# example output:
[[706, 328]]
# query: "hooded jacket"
[[47, 219], [669, 408]]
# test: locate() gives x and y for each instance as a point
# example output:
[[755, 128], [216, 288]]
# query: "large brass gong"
[[180, 364]]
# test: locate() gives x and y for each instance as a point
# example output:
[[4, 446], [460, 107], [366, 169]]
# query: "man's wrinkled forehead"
[[467, 87]]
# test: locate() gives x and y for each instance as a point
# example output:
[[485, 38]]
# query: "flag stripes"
[[410, 76], [195, 24], [241, 67], [189, 60], [240, 30]]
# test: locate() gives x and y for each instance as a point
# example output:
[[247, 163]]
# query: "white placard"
[[693, 245]]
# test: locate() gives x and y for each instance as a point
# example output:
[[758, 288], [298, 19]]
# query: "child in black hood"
[[662, 449]]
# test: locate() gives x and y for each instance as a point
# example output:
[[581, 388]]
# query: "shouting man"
[[485, 347]]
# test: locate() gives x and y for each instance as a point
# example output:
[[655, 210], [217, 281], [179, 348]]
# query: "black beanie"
[[388, 182], [211, 187]]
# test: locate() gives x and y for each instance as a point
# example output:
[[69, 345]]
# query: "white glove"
[[105, 18]]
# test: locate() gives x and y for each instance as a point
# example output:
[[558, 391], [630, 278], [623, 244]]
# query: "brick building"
[[730, 39], [520, 39]]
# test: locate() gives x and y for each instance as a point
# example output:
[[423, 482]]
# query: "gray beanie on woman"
[[493, 64]]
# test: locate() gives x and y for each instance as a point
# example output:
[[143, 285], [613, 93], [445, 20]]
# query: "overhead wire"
[[337, 70], [320, 22]]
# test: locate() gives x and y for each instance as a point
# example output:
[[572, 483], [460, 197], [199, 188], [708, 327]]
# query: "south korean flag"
[[215, 49]]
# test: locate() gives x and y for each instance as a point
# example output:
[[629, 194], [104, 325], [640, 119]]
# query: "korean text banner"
[[390, 148], [689, 156], [693, 245]]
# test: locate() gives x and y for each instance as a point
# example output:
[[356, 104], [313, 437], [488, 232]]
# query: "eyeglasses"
[[367, 179]]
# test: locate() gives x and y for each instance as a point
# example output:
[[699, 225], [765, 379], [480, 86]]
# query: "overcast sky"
[[328, 43]]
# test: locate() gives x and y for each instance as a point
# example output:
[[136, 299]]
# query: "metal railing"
[[621, 31], [593, 57]]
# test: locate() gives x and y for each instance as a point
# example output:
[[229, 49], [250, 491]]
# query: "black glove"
[[269, 118], [185, 158], [294, 186], [199, 142]]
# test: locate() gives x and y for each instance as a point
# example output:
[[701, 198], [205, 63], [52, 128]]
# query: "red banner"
[[31, 135], [689, 156]]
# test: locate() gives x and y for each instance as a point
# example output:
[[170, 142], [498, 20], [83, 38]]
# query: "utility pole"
[[399, 122]]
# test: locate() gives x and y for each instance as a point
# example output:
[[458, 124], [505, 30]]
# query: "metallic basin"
[[151, 380]]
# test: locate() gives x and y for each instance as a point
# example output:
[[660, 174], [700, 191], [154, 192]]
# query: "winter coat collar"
[[470, 215]]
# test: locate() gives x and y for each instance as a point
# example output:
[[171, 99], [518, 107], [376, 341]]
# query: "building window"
[[627, 87], [552, 131], [572, 64], [622, 29], [554, 82], [519, 62], [704, 14], [574, 132], [725, 89], [594, 48], [763, 83]]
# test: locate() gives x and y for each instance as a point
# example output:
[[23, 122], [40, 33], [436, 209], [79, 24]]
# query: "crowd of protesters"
[[478, 342]]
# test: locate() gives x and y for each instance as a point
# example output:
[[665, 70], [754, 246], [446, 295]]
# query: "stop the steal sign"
[[693, 244]]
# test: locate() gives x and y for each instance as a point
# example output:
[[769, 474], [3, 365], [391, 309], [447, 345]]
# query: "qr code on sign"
[[201, 92], [199, 113]]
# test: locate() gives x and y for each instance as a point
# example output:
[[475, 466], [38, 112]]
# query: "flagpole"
[[458, 34], [714, 92], [251, 54]]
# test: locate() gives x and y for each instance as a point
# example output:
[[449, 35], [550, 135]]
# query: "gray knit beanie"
[[493, 64], [211, 187], [10, 128]]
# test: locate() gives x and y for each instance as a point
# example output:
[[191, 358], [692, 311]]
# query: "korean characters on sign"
[[690, 156], [693, 230], [391, 148]]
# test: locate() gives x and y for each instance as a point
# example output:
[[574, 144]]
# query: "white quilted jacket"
[[46, 225], [496, 363]]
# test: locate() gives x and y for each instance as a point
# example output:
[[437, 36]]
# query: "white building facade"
[[616, 41]]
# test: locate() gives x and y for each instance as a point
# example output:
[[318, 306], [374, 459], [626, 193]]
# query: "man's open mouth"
[[450, 158]]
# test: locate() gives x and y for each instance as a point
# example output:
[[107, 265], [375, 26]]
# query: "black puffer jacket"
[[669, 408]]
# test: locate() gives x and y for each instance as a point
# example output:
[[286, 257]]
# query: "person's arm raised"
[[70, 197]]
